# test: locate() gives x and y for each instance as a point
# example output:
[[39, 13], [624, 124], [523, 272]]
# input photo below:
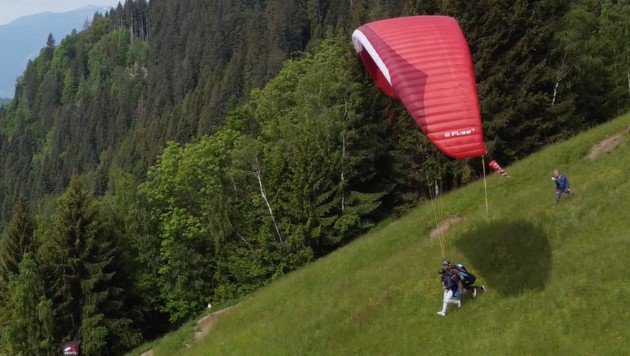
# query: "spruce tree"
[[78, 258], [28, 317], [16, 241]]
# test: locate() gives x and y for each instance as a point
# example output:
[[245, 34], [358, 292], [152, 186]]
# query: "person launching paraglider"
[[450, 290], [562, 185]]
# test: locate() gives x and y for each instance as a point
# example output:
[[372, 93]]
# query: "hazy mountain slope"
[[22, 39]]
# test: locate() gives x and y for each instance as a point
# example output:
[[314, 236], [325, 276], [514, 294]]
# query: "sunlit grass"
[[556, 274]]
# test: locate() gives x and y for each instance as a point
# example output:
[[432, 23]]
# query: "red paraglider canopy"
[[425, 62]]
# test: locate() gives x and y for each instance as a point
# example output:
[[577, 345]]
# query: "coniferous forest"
[[175, 153]]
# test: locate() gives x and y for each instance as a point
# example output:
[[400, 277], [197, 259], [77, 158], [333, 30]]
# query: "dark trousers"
[[559, 193]]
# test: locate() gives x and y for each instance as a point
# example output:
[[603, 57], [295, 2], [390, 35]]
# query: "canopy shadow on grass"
[[512, 257]]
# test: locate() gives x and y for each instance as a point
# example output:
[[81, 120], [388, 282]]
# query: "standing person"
[[562, 185], [450, 288]]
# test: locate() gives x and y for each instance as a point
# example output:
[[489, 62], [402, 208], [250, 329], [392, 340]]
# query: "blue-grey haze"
[[23, 39]]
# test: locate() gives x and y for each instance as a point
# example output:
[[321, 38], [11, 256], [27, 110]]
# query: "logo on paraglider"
[[459, 133], [70, 351], [71, 348]]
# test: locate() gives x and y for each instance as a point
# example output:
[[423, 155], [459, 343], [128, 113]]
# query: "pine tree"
[[16, 241], [78, 258], [28, 321]]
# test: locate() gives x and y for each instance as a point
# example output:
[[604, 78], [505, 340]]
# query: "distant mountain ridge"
[[23, 38]]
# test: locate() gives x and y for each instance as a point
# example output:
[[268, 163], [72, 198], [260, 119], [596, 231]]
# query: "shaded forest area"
[[180, 152]]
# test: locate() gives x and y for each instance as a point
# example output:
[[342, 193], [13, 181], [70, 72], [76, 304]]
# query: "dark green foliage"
[[320, 148], [241, 207], [27, 320], [78, 257], [180, 191], [138, 247], [21, 287], [593, 52], [274, 156], [16, 241], [144, 74]]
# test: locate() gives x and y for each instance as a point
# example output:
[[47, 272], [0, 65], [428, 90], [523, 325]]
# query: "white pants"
[[448, 295]]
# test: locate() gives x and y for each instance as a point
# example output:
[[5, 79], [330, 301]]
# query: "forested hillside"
[[177, 152]]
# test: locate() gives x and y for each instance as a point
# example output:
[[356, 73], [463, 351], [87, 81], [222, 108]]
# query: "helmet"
[[446, 263]]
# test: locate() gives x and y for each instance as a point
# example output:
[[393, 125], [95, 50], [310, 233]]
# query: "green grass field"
[[555, 274]]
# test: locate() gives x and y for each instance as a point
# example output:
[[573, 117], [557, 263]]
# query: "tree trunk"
[[257, 172]]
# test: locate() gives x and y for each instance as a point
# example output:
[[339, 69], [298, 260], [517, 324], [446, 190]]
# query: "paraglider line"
[[436, 207], [485, 185]]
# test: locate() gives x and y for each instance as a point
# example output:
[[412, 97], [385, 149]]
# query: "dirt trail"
[[608, 144], [203, 327], [445, 225], [205, 324]]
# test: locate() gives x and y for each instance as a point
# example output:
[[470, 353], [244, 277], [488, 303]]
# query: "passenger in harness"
[[464, 279]]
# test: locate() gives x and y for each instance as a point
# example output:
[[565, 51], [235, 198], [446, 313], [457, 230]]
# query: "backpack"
[[469, 278]]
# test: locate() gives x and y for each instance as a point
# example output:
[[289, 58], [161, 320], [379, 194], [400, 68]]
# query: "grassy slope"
[[556, 275]]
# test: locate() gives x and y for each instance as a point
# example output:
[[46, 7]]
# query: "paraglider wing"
[[425, 62]]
